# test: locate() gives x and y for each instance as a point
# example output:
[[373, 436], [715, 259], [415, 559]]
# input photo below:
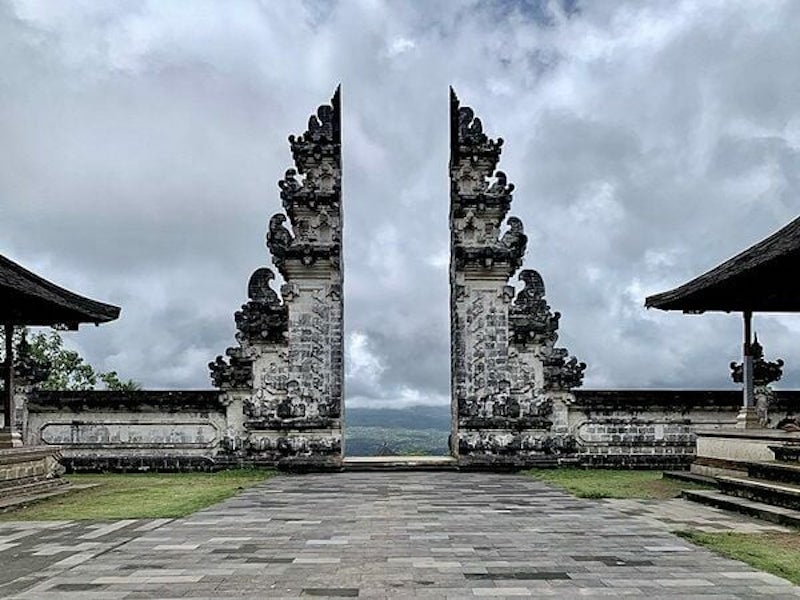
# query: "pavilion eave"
[[28, 299], [760, 279]]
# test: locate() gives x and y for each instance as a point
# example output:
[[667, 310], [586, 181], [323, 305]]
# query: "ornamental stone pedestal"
[[284, 381], [510, 385]]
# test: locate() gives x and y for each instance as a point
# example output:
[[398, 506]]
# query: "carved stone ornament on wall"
[[764, 371]]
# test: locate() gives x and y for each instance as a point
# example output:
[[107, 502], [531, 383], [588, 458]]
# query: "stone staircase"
[[767, 490], [23, 492], [29, 474]]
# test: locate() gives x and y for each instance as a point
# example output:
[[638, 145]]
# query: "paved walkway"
[[383, 535]]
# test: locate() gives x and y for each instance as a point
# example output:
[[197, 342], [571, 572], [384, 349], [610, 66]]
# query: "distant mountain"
[[417, 430], [412, 417]]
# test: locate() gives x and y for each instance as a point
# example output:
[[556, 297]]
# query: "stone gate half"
[[510, 384], [284, 380]]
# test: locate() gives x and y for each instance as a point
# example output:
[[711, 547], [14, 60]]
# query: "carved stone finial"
[[263, 318], [562, 373], [534, 290], [259, 289], [468, 138], [500, 187], [764, 372], [322, 139], [235, 373], [514, 240], [289, 184], [278, 237], [531, 320]]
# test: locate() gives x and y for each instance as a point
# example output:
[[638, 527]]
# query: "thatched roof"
[[27, 299], [763, 278]]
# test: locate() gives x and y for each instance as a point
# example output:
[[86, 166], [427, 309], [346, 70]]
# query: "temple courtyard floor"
[[431, 535]]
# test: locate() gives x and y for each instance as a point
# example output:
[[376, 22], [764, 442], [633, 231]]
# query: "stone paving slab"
[[393, 535], [679, 514], [31, 552]]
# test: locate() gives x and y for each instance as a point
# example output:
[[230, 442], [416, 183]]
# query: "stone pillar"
[[293, 397], [509, 383]]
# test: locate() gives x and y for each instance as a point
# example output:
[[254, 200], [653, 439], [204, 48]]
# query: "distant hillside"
[[380, 441], [397, 431], [413, 417]]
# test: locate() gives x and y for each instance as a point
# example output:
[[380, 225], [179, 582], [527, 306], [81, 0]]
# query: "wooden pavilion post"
[[8, 375], [747, 418], [9, 437]]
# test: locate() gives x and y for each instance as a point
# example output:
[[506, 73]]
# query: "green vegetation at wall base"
[[613, 483], [774, 552], [140, 495]]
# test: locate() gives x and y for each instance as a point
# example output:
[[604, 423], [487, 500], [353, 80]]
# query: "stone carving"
[[263, 318], [507, 375], [561, 371], [501, 188], [514, 240], [234, 373], [764, 371], [288, 372], [279, 239], [531, 319], [259, 289]]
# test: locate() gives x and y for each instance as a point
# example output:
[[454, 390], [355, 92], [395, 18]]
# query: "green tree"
[[112, 382], [68, 369]]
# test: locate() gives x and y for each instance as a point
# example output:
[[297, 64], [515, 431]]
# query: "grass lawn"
[[140, 495], [776, 553], [613, 483]]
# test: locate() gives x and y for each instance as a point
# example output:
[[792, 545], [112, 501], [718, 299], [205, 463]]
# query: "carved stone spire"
[[311, 195], [480, 198], [285, 379], [507, 374]]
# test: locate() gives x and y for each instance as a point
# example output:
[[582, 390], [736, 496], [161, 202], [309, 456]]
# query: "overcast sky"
[[141, 143]]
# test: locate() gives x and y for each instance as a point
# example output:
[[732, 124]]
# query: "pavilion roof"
[[763, 278], [27, 299]]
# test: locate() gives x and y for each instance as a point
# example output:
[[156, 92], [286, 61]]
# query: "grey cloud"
[[140, 144]]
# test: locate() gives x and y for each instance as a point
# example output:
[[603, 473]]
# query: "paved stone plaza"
[[379, 535]]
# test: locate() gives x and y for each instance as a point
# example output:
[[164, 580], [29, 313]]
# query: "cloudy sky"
[[141, 142]]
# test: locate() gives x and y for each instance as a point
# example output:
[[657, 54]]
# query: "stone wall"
[[179, 430], [655, 428], [141, 430]]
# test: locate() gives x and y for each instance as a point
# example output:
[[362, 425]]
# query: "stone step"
[[759, 490], [759, 510], [690, 477], [24, 487], [400, 463], [775, 471], [787, 452], [12, 502]]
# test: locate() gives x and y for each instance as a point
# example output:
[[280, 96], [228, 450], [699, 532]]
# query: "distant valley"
[[397, 431]]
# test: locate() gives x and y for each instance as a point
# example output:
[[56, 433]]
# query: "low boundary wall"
[[139, 430], [193, 430]]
